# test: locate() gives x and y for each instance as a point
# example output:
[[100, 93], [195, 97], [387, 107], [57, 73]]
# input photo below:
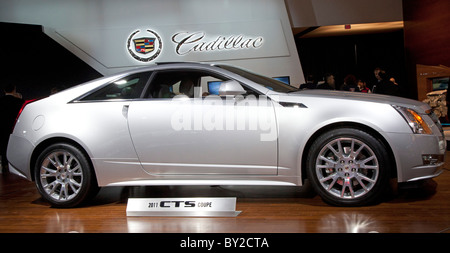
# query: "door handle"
[[125, 111]]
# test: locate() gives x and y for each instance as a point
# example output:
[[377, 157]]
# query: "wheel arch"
[[48, 142], [355, 125]]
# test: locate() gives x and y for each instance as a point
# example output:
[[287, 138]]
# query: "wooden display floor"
[[264, 210]]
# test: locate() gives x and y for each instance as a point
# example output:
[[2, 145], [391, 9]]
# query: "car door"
[[102, 125], [182, 129]]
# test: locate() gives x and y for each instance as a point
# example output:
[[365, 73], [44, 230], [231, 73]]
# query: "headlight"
[[415, 121]]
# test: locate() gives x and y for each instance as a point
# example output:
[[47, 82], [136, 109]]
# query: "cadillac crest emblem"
[[144, 46]]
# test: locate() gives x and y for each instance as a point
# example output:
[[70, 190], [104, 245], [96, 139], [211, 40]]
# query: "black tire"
[[348, 167], [64, 176]]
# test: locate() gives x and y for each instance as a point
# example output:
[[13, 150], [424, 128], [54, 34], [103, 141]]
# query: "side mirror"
[[232, 88]]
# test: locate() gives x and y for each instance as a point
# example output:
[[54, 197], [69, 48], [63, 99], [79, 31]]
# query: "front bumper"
[[418, 156]]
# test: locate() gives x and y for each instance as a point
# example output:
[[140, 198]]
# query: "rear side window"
[[192, 83], [129, 87]]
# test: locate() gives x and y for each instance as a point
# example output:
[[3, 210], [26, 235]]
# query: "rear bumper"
[[19, 155]]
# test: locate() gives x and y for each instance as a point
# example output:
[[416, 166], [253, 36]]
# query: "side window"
[[213, 85], [192, 83], [210, 85], [129, 87], [250, 91]]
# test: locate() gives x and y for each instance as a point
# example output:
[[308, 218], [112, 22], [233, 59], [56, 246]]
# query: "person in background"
[[377, 80], [350, 83], [329, 83], [363, 87], [385, 86], [393, 80], [309, 83], [10, 105]]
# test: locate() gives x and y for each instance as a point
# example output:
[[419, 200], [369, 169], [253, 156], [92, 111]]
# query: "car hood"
[[418, 106]]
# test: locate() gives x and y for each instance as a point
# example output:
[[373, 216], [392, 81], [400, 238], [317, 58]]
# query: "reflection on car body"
[[160, 125]]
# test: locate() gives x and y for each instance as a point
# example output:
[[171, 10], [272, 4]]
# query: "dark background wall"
[[424, 40], [35, 63], [356, 54], [427, 35]]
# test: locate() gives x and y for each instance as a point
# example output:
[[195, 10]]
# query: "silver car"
[[214, 124]]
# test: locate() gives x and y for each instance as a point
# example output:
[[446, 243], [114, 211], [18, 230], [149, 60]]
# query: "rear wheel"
[[348, 167], [64, 176]]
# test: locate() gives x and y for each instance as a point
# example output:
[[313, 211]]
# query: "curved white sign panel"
[[125, 47]]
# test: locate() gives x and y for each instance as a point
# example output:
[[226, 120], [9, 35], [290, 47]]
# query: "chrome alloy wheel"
[[347, 168], [61, 175]]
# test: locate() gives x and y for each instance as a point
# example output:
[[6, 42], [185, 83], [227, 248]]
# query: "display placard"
[[193, 207]]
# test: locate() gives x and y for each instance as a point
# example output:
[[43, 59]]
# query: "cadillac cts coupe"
[[213, 124]]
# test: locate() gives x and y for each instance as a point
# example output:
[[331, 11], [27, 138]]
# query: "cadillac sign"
[[146, 45], [197, 42]]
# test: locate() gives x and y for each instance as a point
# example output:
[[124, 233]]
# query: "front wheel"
[[348, 167], [64, 176]]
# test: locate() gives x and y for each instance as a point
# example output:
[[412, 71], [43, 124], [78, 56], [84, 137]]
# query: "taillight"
[[21, 110]]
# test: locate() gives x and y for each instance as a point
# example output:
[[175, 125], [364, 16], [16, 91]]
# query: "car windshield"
[[265, 81]]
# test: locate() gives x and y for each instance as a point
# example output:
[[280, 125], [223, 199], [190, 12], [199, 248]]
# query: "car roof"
[[167, 65]]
